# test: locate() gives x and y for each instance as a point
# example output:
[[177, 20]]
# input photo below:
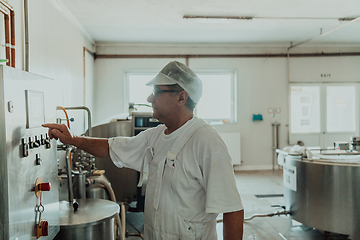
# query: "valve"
[[40, 186], [42, 229]]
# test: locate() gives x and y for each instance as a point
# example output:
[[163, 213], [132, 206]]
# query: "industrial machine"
[[29, 199], [322, 190]]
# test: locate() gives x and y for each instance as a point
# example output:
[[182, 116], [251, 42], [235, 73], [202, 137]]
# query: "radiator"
[[232, 141]]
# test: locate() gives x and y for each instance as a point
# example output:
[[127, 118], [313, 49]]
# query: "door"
[[321, 114]]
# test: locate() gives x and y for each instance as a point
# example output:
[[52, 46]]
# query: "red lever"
[[45, 228], [45, 186], [42, 229]]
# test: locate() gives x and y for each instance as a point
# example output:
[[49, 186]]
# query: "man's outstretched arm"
[[96, 146]]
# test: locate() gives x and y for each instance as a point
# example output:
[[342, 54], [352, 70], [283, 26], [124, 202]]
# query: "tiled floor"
[[251, 183]]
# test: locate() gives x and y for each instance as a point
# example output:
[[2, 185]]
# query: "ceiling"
[[161, 21]]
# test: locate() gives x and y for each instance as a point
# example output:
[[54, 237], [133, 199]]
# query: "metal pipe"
[[8, 6], [89, 115], [324, 34], [275, 141], [276, 55], [7, 39], [12, 32], [84, 66], [69, 176], [26, 33], [9, 18]]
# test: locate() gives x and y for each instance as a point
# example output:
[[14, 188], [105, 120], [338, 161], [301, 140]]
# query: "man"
[[190, 176]]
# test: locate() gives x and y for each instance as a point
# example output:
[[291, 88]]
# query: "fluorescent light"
[[217, 18]]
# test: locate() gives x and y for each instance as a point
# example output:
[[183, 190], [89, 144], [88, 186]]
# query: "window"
[[217, 104], [340, 109], [305, 109], [137, 90]]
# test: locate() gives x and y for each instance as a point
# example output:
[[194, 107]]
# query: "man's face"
[[163, 102]]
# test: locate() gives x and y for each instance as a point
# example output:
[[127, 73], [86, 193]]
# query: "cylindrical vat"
[[93, 220], [324, 194]]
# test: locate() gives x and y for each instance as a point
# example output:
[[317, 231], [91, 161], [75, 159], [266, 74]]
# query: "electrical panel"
[[29, 199]]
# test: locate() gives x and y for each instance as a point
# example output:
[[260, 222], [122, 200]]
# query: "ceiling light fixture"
[[221, 18], [225, 18]]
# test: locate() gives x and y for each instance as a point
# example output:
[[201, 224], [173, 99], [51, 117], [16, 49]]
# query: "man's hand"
[[60, 131], [96, 146]]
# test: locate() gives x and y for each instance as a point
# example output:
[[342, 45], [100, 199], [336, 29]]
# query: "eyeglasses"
[[156, 92]]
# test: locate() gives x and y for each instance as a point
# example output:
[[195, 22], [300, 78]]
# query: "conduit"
[[26, 36], [9, 20], [276, 55], [84, 72]]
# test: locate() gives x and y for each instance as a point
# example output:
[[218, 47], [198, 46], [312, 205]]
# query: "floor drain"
[[269, 195]]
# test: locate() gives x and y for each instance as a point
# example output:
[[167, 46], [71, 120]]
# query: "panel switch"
[[38, 159], [24, 148]]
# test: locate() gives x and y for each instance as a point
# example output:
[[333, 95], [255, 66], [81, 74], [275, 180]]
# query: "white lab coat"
[[190, 179]]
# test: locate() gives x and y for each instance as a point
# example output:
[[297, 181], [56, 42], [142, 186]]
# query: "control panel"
[[29, 196]]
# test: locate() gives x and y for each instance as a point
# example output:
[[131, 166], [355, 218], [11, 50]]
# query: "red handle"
[[44, 228], [45, 186]]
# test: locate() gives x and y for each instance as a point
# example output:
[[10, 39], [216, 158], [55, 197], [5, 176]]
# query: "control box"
[[29, 199]]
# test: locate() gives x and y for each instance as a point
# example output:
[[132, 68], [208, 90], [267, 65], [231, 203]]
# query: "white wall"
[[262, 83], [56, 51]]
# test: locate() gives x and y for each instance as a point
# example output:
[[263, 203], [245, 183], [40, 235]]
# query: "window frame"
[[233, 91]]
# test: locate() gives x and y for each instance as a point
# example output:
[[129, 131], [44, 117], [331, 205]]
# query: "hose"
[[119, 223], [67, 117], [123, 223], [268, 215], [284, 212]]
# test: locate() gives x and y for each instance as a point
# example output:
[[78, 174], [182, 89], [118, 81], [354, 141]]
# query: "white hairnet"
[[178, 73]]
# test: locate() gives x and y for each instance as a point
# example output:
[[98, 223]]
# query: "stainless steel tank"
[[324, 194], [123, 180], [93, 220]]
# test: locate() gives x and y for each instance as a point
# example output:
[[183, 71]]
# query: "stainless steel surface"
[[93, 220], [324, 195], [123, 180], [97, 191], [113, 129], [80, 184], [18, 174]]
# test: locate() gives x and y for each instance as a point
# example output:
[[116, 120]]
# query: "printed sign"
[[289, 176]]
